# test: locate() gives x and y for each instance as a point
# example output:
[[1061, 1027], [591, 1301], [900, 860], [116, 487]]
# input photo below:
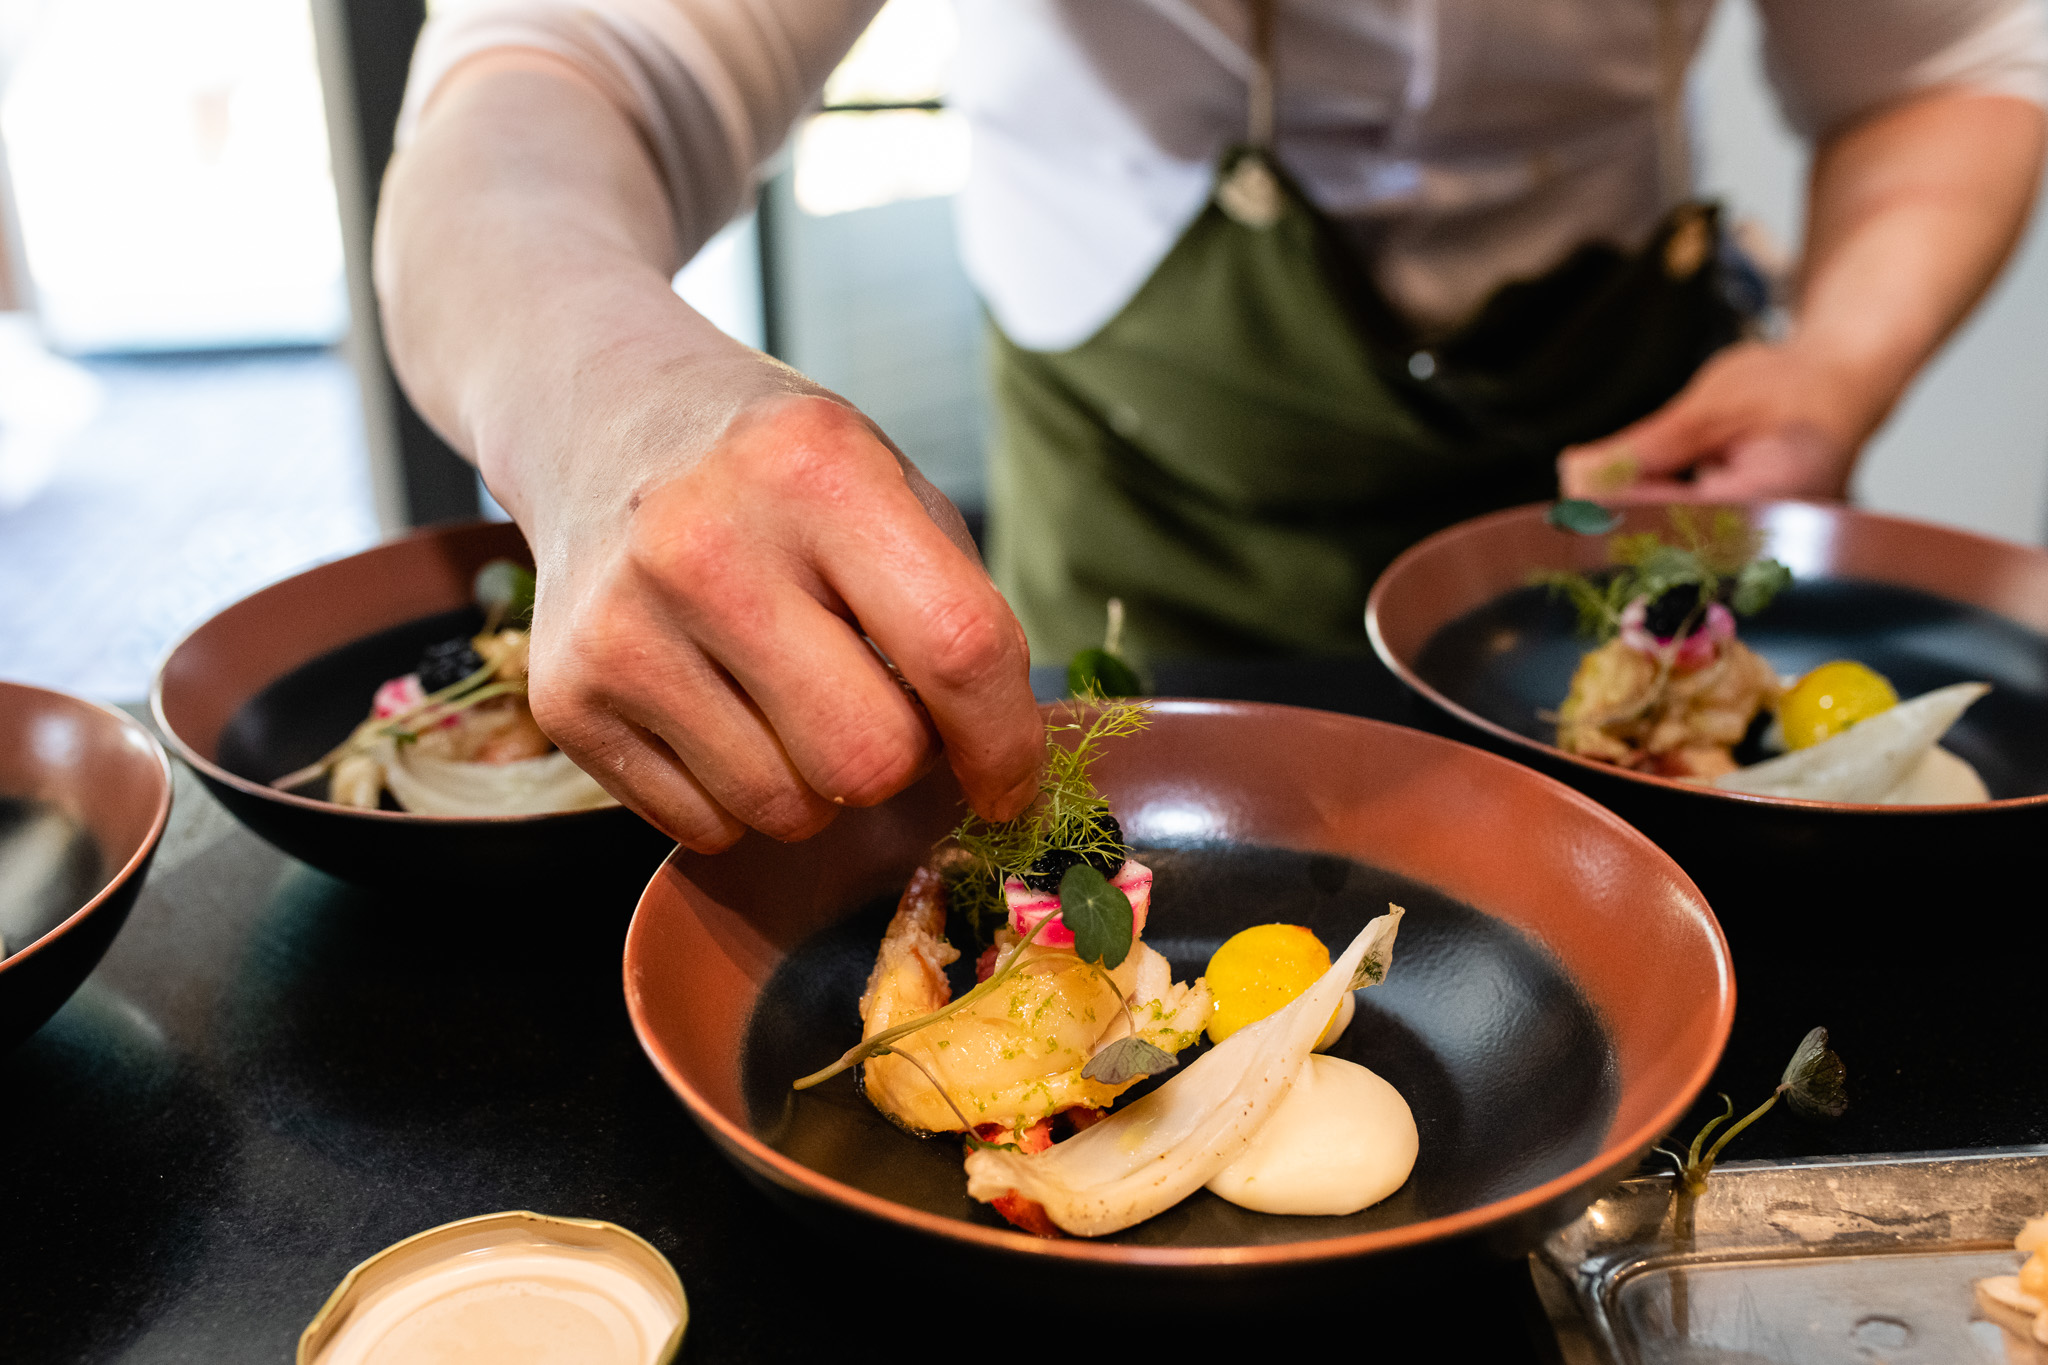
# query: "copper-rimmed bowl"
[[282, 676], [1560, 992], [1457, 620], [85, 793]]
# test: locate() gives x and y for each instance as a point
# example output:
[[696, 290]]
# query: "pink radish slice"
[[1028, 905]]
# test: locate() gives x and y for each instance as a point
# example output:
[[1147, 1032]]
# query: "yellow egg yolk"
[[1260, 970], [1829, 700]]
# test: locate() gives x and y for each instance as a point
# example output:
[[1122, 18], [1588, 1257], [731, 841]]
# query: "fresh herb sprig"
[[1718, 558], [1069, 813], [505, 591], [1100, 916], [408, 725], [1814, 1084], [1105, 672]]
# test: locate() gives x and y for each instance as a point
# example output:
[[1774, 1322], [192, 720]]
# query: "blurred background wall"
[[193, 400]]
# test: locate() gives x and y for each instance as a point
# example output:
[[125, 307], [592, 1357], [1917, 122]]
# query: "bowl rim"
[[1475, 525], [214, 773], [159, 821], [793, 1175]]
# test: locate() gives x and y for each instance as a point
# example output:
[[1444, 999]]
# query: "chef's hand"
[[1757, 421], [698, 627], [1912, 210], [714, 534]]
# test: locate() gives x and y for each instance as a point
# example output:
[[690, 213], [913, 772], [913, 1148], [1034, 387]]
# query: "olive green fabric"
[[1244, 447]]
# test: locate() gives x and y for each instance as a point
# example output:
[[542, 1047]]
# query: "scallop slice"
[[530, 786], [1865, 762], [1144, 1159]]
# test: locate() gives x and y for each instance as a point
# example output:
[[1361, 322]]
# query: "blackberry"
[[1052, 864], [1665, 615], [448, 663]]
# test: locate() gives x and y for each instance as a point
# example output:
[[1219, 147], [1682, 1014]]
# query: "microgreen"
[[1813, 1084], [1717, 558], [1104, 672], [1127, 1059], [505, 591], [1068, 814], [1581, 517]]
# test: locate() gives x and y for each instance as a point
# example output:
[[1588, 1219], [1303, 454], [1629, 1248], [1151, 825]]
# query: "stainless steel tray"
[[1847, 1259]]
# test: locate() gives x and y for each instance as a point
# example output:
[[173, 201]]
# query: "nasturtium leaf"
[[1097, 672], [1815, 1081], [505, 591], [1126, 1059], [1098, 915], [1759, 582], [1581, 517]]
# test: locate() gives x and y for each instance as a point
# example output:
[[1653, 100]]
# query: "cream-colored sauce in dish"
[[1342, 1140], [510, 1305]]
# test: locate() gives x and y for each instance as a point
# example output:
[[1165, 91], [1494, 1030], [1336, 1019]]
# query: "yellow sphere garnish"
[[1829, 700], [1260, 970]]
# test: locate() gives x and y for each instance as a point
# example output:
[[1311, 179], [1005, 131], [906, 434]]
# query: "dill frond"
[[1068, 814]]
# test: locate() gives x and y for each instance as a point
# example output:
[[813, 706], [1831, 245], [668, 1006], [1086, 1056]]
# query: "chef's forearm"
[[523, 257], [1912, 212]]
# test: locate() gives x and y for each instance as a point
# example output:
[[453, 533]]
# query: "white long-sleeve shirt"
[[1463, 142]]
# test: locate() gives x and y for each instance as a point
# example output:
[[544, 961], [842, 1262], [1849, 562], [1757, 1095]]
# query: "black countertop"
[[274, 1075]]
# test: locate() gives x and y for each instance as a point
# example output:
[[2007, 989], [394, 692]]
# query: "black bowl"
[[279, 678], [85, 793], [1559, 993], [1456, 619]]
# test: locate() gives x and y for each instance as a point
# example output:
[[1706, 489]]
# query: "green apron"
[[1248, 443]]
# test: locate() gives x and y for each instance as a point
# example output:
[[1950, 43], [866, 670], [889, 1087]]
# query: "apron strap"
[[1674, 155], [1260, 94]]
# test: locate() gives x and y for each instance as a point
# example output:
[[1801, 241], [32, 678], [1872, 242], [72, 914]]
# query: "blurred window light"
[[883, 137], [171, 176], [863, 161]]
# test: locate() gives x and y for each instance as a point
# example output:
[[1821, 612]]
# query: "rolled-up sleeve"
[[1835, 60], [712, 85]]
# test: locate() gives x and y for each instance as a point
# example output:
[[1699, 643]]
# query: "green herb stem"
[[882, 1041]]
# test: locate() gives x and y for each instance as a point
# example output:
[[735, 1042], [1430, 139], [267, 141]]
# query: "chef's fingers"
[[933, 611], [693, 706], [851, 731], [649, 779]]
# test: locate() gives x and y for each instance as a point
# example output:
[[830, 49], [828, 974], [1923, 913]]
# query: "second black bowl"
[[280, 677]]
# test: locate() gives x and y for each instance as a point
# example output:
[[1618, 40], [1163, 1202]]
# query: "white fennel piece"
[[1143, 1160], [529, 786], [1866, 761]]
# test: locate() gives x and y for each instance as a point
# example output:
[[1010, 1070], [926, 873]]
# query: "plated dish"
[[1492, 656], [85, 793], [1469, 621], [272, 684], [1071, 1009], [745, 972], [455, 735], [1667, 684]]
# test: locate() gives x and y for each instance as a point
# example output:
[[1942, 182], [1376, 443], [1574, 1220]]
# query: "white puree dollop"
[[1342, 1140]]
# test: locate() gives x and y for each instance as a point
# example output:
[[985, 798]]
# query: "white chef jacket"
[[1465, 143]]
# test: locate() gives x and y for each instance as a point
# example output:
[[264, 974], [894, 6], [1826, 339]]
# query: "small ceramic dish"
[[1456, 619], [276, 680], [1560, 991], [85, 793]]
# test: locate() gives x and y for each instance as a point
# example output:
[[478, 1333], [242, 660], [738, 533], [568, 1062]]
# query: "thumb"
[[1643, 454]]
